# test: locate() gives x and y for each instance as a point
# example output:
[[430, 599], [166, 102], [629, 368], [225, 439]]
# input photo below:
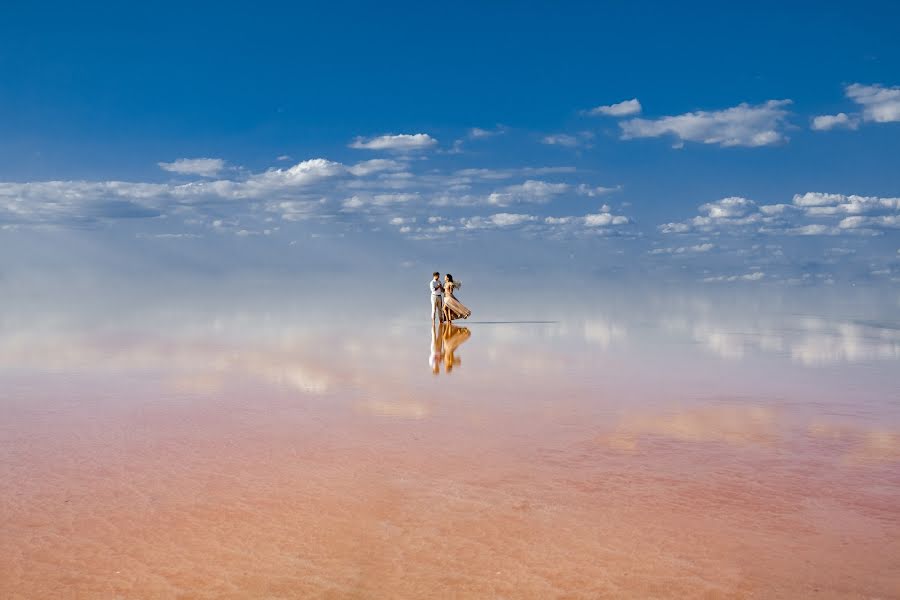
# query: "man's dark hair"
[[435, 274]]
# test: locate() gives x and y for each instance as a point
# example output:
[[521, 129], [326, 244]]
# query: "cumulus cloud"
[[879, 104], [496, 221], [76, 203], [367, 167], [620, 109], [204, 167], [812, 213], [531, 191], [403, 142], [604, 218], [840, 120], [742, 125], [353, 196], [303, 173]]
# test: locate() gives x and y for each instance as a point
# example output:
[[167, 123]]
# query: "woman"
[[453, 308]]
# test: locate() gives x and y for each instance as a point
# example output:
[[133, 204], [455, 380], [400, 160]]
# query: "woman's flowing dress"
[[453, 336], [455, 308]]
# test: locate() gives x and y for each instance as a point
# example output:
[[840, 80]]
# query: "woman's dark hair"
[[448, 277]]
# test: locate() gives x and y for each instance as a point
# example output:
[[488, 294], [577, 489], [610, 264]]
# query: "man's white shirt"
[[436, 289]]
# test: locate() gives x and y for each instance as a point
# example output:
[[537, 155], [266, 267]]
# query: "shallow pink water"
[[667, 458]]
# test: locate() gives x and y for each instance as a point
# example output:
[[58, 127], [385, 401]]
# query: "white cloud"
[[204, 167], [880, 104], [593, 191], [581, 139], [811, 229], [367, 167], [479, 133], [620, 109], [728, 207], [80, 203], [302, 174], [817, 199], [353, 202], [604, 219], [840, 120], [561, 139], [167, 236], [495, 221], [385, 199], [402, 142], [361, 200], [812, 213], [742, 125], [675, 228], [818, 204], [696, 249], [755, 276], [532, 191], [478, 174], [295, 210], [869, 223], [355, 197]]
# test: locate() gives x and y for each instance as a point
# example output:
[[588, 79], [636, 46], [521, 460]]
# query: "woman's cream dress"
[[454, 307]]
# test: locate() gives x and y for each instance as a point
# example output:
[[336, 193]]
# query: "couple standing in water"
[[446, 337], [443, 302]]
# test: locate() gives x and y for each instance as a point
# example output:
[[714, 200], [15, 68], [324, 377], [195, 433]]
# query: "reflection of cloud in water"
[[852, 342], [196, 365], [300, 377], [603, 332], [752, 425], [862, 445], [730, 424], [399, 409], [810, 341]]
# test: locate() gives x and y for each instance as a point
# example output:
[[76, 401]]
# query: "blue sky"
[[720, 143]]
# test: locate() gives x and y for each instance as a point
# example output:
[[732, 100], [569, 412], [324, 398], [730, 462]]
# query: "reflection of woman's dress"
[[456, 308], [453, 336]]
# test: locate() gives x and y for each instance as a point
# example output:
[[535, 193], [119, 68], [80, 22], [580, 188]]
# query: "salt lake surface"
[[669, 445]]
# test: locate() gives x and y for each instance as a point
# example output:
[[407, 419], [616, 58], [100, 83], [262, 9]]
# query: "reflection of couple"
[[445, 339], [443, 302]]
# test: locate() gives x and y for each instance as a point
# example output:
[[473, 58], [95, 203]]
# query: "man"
[[437, 297]]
